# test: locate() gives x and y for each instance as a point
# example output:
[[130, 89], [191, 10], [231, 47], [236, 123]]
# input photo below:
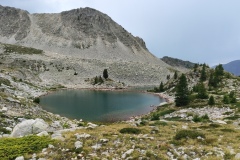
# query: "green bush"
[[155, 117], [130, 131], [203, 118], [10, 148], [36, 100], [184, 134]]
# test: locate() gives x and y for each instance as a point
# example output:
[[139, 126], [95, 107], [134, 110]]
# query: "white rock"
[[58, 136], [97, 146], [91, 125], [30, 126], [43, 133], [237, 156], [78, 144], [104, 140], [128, 152], [220, 122], [50, 146], [4, 109], [9, 129], [84, 135], [20, 158]]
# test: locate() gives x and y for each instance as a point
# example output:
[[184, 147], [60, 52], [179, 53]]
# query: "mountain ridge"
[[73, 32], [233, 67], [83, 41]]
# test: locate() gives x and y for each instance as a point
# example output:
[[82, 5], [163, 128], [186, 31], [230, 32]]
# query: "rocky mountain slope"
[[177, 62], [233, 67], [81, 40]]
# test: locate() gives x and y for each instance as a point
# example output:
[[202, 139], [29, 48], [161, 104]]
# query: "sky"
[[200, 31]]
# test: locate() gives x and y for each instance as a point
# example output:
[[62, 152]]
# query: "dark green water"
[[102, 106]]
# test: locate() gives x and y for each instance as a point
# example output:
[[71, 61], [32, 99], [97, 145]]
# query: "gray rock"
[[127, 153], [78, 144], [43, 133], [30, 126], [91, 125], [237, 156], [4, 109], [50, 146], [97, 146], [58, 136], [84, 135], [104, 140]]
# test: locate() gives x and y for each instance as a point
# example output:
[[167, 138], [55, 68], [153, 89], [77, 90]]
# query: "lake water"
[[101, 106]]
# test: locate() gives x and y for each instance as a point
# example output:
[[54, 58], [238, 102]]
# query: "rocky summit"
[[83, 40]]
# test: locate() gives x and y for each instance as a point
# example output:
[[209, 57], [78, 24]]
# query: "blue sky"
[[204, 31]]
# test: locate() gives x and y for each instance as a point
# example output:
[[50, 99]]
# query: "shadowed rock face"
[[14, 22]]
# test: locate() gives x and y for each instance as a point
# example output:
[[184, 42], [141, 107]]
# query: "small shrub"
[[184, 134], [130, 131], [36, 100], [214, 125], [203, 118], [155, 117], [165, 112]]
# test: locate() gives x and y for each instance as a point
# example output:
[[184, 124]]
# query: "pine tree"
[[219, 71], [95, 80], [211, 101], [100, 80], [203, 73], [195, 67], [202, 92], [232, 97], [175, 75], [226, 99], [105, 73], [161, 87], [182, 93]]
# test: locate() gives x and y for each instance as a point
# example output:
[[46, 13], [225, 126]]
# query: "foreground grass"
[[153, 142]]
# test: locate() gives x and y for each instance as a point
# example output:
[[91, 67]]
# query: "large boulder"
[[31, 126]]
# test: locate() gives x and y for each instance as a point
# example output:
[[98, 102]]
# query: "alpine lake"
[[99, 106]]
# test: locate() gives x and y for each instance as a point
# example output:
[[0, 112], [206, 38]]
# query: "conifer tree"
[[161, 87], [203, 73], [202, 92], [175, 75], [182, 93], [211, 101], [195, 67], [105, 73], [100, 80], [226, 99]]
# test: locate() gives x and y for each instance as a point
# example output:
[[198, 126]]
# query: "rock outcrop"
[[30, 126]]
